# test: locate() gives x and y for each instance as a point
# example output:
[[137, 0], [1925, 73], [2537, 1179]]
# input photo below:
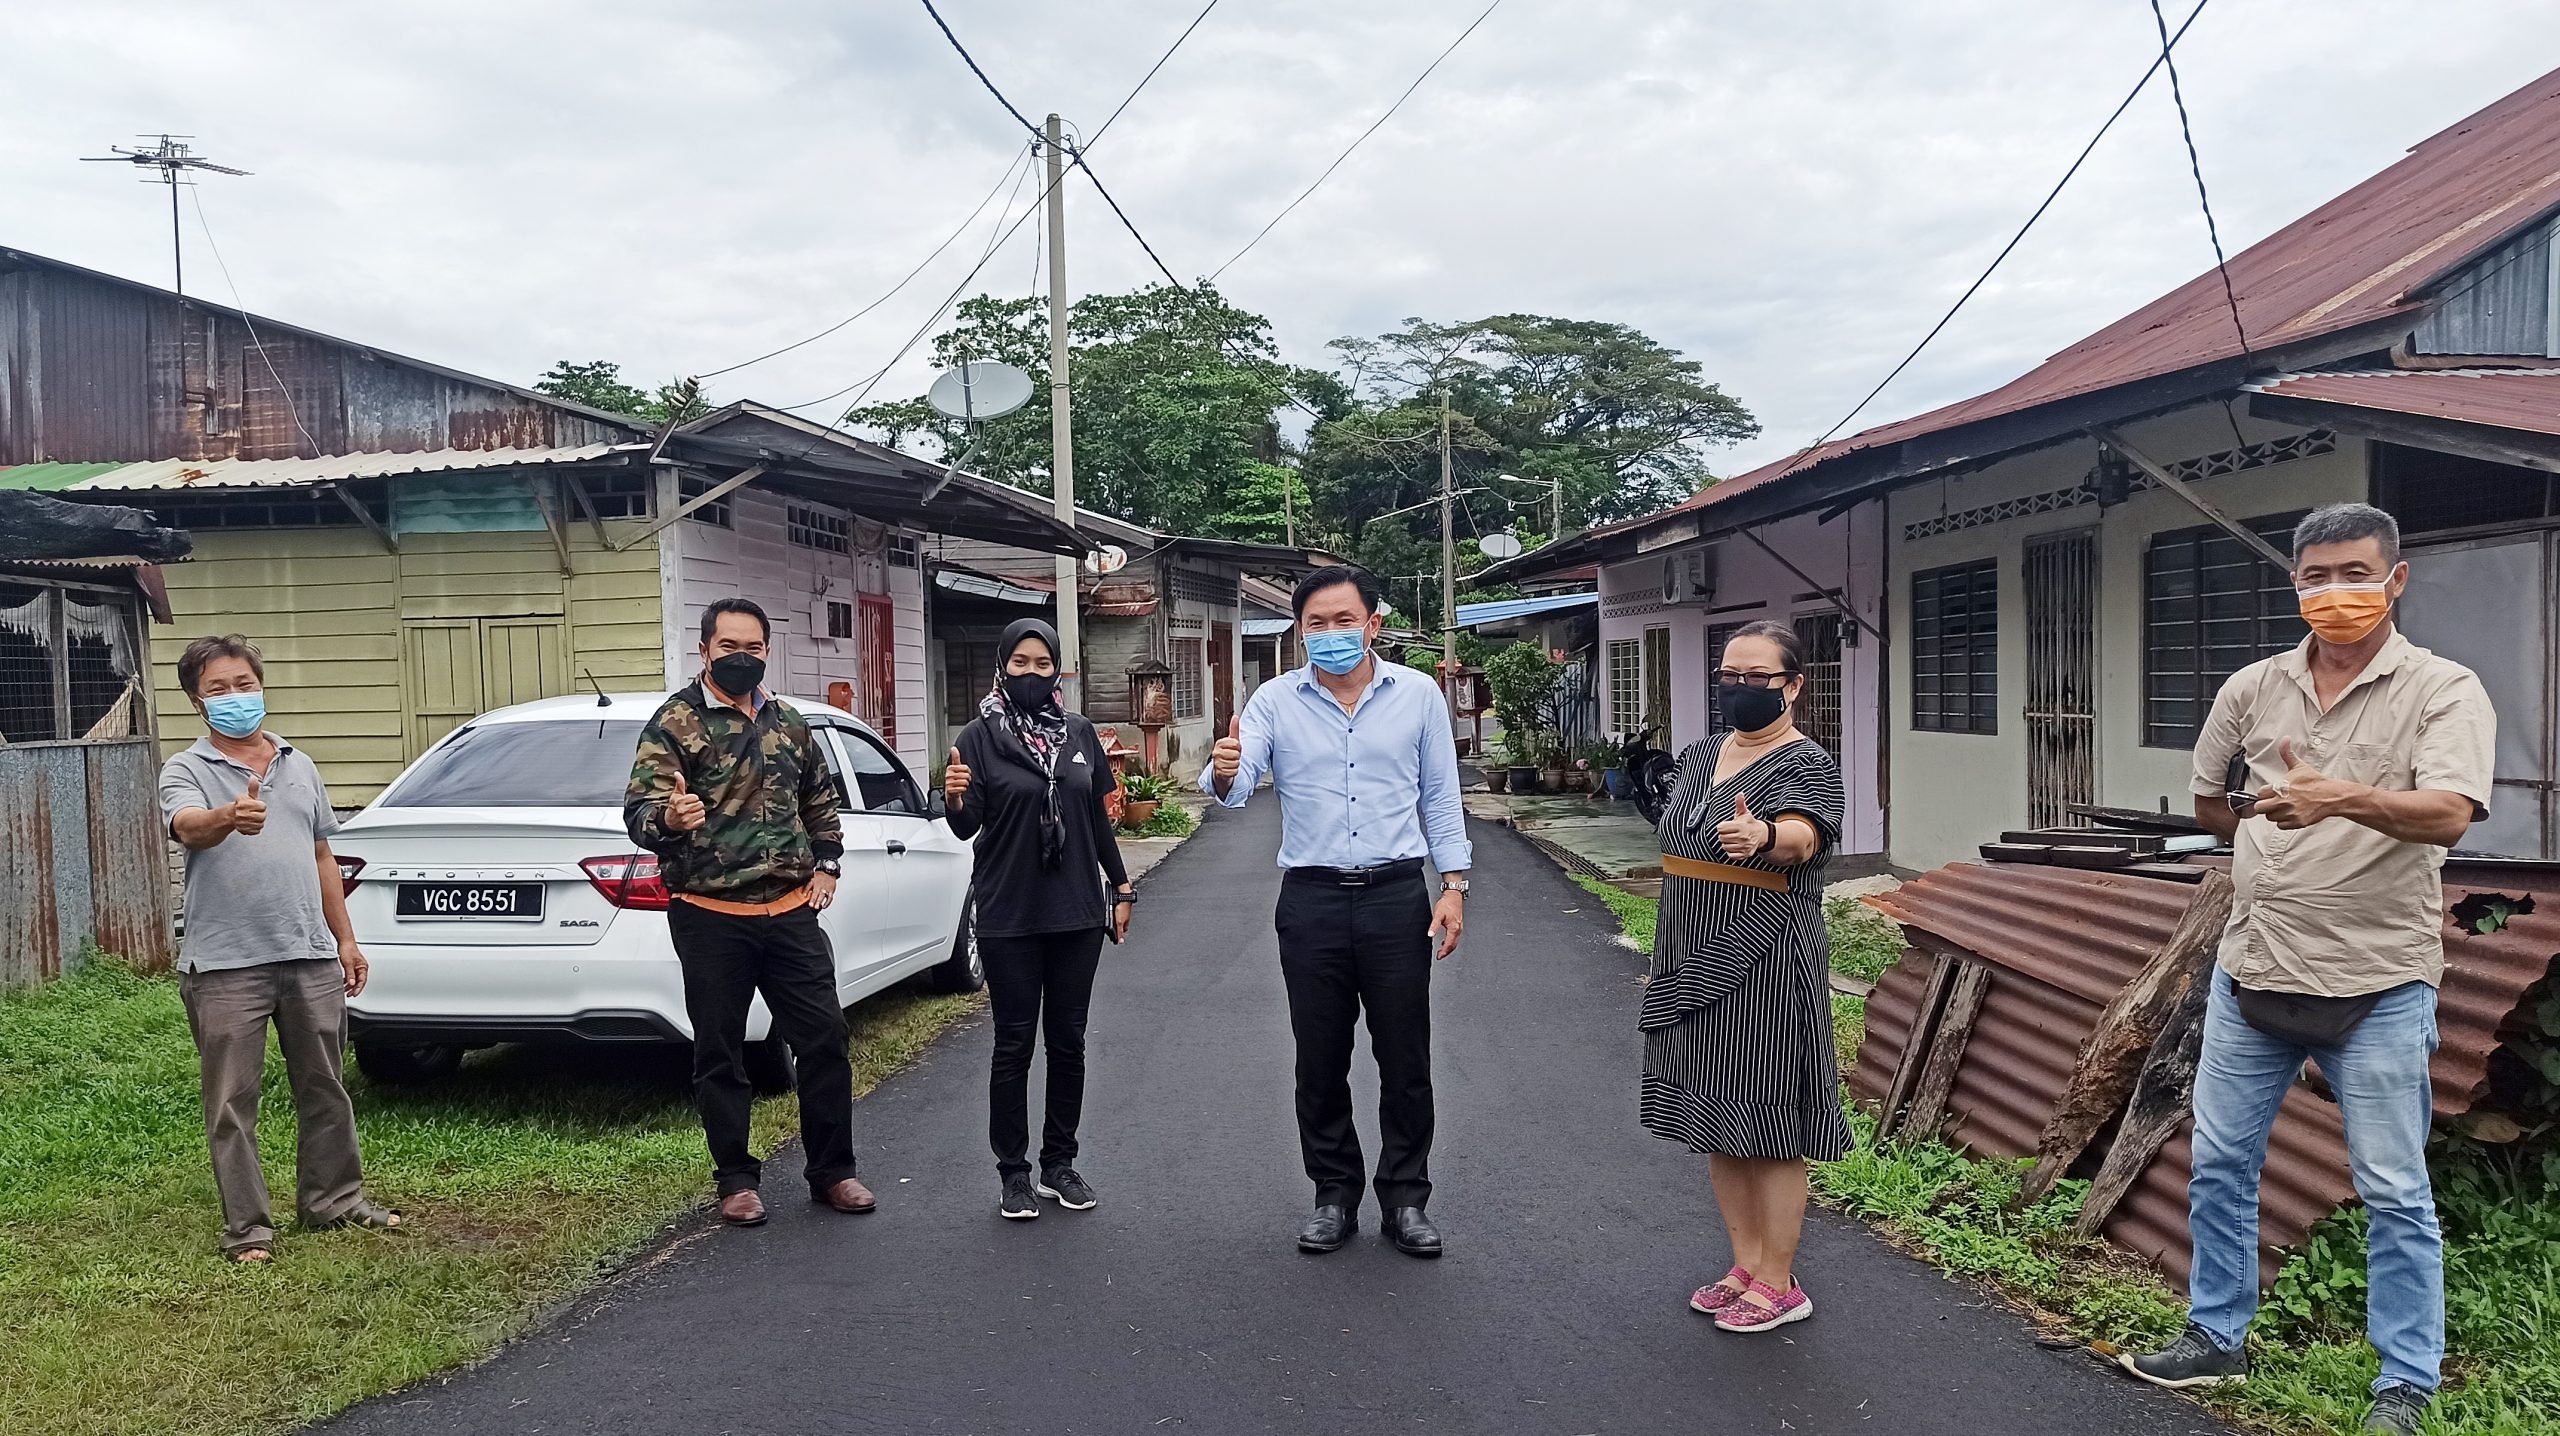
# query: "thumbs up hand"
[[1743, 835], [2307, 796], [248, 812], [685, 811], [1227, 756], [955, 780]]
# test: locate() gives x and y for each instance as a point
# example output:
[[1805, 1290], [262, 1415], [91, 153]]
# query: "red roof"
[[2354, 261], [2527, 399]]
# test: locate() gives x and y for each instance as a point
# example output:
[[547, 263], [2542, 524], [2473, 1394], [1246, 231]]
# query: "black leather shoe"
[[1327, 1230], [1413, 1233]]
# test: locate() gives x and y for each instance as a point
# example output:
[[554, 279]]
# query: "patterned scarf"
[[1042, 732]]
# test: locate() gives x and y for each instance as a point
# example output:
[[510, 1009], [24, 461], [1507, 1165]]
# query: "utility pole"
[[1062, 430], [1448, 563]]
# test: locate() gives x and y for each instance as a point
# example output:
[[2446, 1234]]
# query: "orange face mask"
[[2343, 613]]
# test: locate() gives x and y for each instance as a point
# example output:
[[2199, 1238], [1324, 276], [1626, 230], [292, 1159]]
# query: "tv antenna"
[[173, 157]]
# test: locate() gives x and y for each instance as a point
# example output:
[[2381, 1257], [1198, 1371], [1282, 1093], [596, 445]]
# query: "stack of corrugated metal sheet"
[[2062, 942]]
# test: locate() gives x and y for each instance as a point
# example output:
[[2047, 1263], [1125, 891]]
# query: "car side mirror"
[[935, 806]]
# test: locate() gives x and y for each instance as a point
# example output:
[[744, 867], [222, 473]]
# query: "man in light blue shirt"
[[1360, 754]]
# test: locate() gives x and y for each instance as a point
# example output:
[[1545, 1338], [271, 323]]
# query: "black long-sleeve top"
[[1015, 893]]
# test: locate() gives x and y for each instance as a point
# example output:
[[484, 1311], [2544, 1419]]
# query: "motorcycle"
[[1649, 772]]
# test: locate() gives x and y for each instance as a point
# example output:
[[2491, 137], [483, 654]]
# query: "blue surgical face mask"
[[236, 715], [1338, 650]]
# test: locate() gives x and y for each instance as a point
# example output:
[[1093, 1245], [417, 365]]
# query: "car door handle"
[[897, 849]]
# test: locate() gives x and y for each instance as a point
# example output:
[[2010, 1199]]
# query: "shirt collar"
[[2396, 651], [203, 748], [1380, 677]]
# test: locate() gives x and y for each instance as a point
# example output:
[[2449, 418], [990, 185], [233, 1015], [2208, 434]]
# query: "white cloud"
[[1789, 191]]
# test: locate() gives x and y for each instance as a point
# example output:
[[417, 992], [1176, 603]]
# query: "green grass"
[[1634, 914], [525, 1178], [2311, 1368]]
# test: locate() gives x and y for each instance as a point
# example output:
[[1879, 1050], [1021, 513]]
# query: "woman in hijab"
[[1028, 781]]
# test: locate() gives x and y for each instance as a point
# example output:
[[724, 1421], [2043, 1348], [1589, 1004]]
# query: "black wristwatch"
[[1770, 841], [832, 867]]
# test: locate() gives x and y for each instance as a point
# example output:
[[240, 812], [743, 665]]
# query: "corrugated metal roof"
[[44, 478], [2527, 399], [1265, 627], [171, 475], [2365, 257], [1503, 610], [2063, 942]]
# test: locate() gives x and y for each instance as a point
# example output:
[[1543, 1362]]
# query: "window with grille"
[[714, 513], [1818, 707], [617, 496], [1955, 648], [839, 619], [264, 511], [2431, 492], [904, 551], [1626, 685], [818, 529], [2210, 608], [1188, 658], [68, 659]]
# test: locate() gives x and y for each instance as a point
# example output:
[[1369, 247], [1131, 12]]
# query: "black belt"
[[1359, 877]]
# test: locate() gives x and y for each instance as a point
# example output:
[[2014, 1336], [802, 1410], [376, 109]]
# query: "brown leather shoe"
[[743, 1209], [849, 1196]]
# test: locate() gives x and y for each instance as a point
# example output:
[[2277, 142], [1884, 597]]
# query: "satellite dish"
[[1110, 558], [1501, 545], [979, 390]]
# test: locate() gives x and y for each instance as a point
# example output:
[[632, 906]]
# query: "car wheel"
[[770, 1068], [966, 969], [398, 1065]]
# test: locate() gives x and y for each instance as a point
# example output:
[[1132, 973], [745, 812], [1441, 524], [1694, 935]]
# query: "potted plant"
[[1552, 757], [1497, 777], [1523, 677], [1602, 759], [1144, 793]]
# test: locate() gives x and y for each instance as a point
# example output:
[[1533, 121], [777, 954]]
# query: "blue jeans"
[[2380, 1075]]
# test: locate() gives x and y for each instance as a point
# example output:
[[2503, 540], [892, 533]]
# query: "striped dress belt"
[[1706, 872]]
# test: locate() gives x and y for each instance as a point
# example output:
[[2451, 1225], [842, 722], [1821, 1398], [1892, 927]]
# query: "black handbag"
[[2302, 1018]]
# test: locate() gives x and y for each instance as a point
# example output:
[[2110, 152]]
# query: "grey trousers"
[[229, 1012]]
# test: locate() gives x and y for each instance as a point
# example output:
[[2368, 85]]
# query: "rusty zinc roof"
[[2363, 258], [2062, 942], [2527, 399]]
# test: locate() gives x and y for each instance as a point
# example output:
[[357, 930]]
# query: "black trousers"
[[1343, 951], [727, 961], [1037, 976]]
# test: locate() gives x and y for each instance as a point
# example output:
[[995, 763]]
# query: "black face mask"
[[1751, 709], [737, 674], [1030, 692]]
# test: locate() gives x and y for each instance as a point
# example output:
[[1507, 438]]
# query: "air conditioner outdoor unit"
[[1689, 578]]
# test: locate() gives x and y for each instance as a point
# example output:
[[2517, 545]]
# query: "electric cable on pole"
[[1448, 561], [1062, 434]]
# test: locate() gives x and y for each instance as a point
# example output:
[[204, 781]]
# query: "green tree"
[[1176, 400], [598, 384]]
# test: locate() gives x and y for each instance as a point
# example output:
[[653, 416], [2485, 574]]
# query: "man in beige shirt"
[[2340, 772]]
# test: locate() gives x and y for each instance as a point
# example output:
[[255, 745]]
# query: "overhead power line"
[[2195, 166], [1151, 72], [1355, 144], [2168, 43], [972, 62], [255, 341], [1007, 178]]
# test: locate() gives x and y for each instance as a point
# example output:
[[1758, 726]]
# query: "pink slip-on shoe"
[[1784, 1306], [1716, 1296]]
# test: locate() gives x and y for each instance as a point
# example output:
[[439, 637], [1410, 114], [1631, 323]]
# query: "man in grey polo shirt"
[[268, 941]]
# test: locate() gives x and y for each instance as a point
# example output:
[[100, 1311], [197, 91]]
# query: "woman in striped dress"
[[1738, 1055]]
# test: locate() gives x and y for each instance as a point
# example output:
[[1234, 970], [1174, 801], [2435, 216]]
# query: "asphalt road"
[[1182, 1303]]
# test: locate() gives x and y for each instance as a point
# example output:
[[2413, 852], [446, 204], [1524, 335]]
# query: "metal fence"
[[82, 857]]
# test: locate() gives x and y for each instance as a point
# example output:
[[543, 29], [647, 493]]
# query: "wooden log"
[[2161, 1100], [1915, 1047], [2118, 1047], [1946, 1053]]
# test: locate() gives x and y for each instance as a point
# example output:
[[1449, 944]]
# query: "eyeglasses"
[[1752, 680]]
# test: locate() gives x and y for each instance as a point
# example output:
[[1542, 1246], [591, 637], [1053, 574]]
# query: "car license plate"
[[489, 902]]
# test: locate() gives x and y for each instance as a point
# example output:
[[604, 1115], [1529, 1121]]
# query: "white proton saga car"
[[500, 900]]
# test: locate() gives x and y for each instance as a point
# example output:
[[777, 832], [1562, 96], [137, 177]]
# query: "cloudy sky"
[[1788, 190]]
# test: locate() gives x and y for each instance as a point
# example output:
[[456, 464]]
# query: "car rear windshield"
[[524, 765]]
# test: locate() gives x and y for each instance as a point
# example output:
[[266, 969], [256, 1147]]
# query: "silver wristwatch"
[[1453, 885]]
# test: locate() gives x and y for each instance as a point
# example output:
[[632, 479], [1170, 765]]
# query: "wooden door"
[[1222, 673], [522, 659], [876, 644], [442, 666]]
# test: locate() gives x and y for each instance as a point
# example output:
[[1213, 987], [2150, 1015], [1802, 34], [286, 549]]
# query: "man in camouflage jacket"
[[729, 790]]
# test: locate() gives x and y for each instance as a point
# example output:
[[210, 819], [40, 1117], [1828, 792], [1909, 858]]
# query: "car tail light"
[[350, 872], [629, 880]]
